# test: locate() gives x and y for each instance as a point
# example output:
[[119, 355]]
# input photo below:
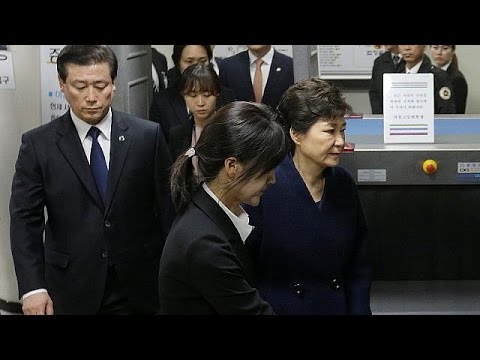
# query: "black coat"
[[460, 88], [205, 267], [82, 234]]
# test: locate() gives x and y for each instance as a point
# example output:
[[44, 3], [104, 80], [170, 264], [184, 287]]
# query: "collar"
[[105, 125], [267, 58], [446, 66], [415, 69], [240, 222]]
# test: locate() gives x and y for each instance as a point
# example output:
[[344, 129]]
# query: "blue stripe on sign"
[[442, 126]]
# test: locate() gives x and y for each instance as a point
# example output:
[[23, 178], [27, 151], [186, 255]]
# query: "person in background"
[[416, 61], [102, 177], [310, 239], [168, 107], [205, 267], [159, 71], [445, 58], [274, 75], [388, 62], [200, 87]]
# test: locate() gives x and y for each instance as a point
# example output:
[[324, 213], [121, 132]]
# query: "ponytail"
[[183, 181]]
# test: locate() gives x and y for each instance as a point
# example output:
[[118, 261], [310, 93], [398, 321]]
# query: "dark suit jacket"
[[169, 109], [205, 268], [311, 259], [235, 74], [160, 63], [442, 104], [82, 234], [382, 65], [460, 88]]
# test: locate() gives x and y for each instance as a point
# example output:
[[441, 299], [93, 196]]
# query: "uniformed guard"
[[415, 61]]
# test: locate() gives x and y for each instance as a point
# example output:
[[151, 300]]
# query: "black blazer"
[[82, 235], [168, 108], [460, 88], [205, 267], [235, 74]]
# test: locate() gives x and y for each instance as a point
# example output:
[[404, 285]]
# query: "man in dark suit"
[[386, 63], [103, 235], [238, 73]]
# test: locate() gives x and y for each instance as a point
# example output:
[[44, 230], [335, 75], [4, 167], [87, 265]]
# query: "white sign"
[[53, 100], [408, 108], [7, 78], [347, 61]]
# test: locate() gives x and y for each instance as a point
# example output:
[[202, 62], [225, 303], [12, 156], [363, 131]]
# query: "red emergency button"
[[429, 166]]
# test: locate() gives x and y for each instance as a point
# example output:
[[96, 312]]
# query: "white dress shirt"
[[414, 69], [267, 63], [240, 222]]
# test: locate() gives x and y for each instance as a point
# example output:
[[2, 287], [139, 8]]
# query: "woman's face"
[[202, 104], [442, 54], [323, 143], [192, 54], [250, 191]]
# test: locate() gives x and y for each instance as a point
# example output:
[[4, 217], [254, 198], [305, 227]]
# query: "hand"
[[38, 304]]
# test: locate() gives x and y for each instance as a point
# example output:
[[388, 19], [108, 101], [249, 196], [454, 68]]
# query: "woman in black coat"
[[445, 58]]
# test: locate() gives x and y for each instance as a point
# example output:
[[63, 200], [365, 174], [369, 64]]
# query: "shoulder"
[[457, 75], [193, 220], [234, 59], [386, 56], [282, 57], [134, 121], [438, 73]]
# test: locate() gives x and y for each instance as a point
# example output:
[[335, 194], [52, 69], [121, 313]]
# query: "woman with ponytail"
[[205, 267]]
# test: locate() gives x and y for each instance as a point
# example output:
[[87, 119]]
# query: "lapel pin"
[[121, 138], [279, 69]]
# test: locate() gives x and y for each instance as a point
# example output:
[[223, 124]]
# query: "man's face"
[[89, 90]]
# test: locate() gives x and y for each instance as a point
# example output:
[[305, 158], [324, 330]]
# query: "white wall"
[[20, 111]]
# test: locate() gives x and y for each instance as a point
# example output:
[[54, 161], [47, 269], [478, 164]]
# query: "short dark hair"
[[178, 49], [308, 101], [86, 55], [201, 77], [247, 131]]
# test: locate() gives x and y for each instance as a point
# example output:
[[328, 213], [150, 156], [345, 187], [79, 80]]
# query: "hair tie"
[[190, 152]]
